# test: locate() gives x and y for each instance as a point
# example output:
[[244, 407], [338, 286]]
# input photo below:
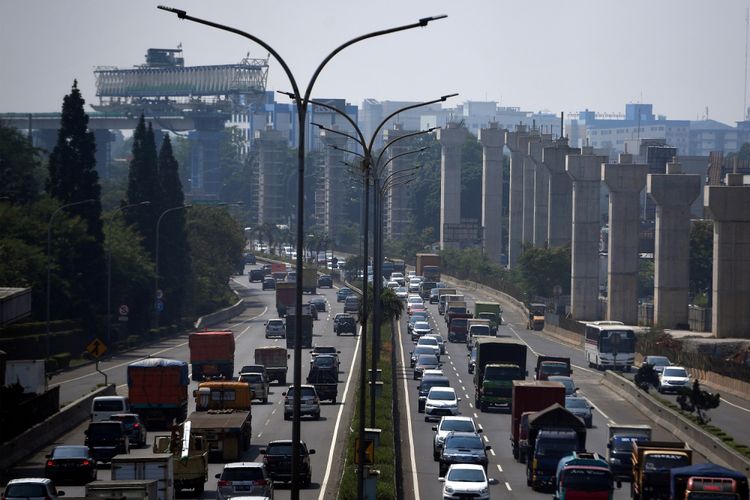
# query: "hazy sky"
[[681, 55]]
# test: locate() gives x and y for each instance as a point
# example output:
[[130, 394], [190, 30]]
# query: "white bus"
[[610, 344]]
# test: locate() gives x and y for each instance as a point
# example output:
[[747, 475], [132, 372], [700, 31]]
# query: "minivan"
[[103, 407], [351, 304]]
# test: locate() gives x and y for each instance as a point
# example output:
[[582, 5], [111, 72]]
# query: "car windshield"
[[657, 361], [98, 430], [328, 350], [306, 392], [675, 372], [555, 368], [666, 461], [467, 442], [279, 449], [457, 425], [556, 446], [480, 330], [25, 491], [466, 475], [424, 349], [276, 322], [324, 361], [428, 360], [503, 373], [251, 378], [415, 300], [576, 403], [428, 341], [421, 325], [442, 395], [625, 443], [70, 452], [108, 405]]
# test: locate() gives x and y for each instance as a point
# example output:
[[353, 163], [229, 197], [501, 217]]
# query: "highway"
[[421, 472], [327, 436]]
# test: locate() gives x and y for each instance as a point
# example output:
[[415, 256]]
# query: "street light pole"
[[302, 102], [109, 271], [49, 260], [156, 261]]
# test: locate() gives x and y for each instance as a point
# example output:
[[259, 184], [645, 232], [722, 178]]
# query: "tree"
[[20, 167], [698, 401], [542, 268], [701, 257], [143, 185], [391, 305], [73, 178], [174, 254]]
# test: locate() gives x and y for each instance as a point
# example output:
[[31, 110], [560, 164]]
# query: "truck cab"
[[552, 365], [652, 463], [536, 316], [583, 475], [222, 396]]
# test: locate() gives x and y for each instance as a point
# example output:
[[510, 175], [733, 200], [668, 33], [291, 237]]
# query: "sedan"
[[441, 402], [422, 328], [417, 316], [275, 328], [319, 303], [70, 465], [450, 424], [580, 408], [429, 340], [342, 294], [570, 385], [425, 362], [401, 293], [440, 341], [466, 481], [673, 378], [418, 351], [462, 448], [658, 362]]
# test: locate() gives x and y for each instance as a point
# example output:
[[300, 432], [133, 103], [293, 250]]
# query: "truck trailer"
[[157, 390], [212, 354], [499, 363]]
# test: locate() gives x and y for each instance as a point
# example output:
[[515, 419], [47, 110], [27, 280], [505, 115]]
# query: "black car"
[[277, 457], [257, 275], [325, 281], [106, 439], [269, 284], [70, 465], [463, 448], [249, 258], [319, 303], [134, 428], [345, 324], [313, 310]]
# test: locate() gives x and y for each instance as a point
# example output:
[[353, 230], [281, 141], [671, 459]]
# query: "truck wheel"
[[265, 400], [317, 416], [199, 491], [333, 400]]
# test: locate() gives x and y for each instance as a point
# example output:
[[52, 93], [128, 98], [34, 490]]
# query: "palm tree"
[[390, 304]]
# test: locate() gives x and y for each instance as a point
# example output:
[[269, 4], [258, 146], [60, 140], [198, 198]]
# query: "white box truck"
[[143, 464]]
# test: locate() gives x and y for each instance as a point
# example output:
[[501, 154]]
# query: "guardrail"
[[713, 448], [40, 435], [220, 316]]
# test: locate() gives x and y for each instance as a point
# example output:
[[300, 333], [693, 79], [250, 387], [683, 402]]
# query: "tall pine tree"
[[174, 255], [73, 178]]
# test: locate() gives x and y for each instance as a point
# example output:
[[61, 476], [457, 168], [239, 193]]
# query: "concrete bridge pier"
[[517, 142], [541, 189], [529, 184], [560, 205], [493, 141], [452, 138]]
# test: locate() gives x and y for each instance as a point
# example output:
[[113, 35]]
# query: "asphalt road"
[[327, 436], [421, 472]]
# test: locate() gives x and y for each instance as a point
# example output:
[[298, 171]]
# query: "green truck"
[[309, 280], [491, 311], [307, 327], [499, 362]]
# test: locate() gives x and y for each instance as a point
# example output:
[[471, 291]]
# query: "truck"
[[428, 265], [307, 327], [138, 489], [531, 396], [275, 359], [454, 306], [536, 316], [620, 448], [583, 475], [212, 354], [222, 415], [552, 365], [554, 433], [707, 481], [458, 327], [144, 464], [490, 311], [425, 288], [286, 296], [189, 457], [28, 373], [477, 328], [309, 280], [500, 362], [441, 301], [652, 463], [158, 391], [326, 382]]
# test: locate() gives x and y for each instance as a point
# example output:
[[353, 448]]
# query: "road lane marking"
[[493, 452], [464, 389], [735, 405], [471, 406], [475, 415], [412, 456], [486, 439], [499, 467], [459, 380], [260, 434], [507, 485], [338, 420]]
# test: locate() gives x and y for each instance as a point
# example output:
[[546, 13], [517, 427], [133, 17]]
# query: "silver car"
[[309, 402], [275, 328], [448, 424], [259, 385]]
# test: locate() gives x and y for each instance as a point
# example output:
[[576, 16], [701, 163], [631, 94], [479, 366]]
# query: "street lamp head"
[[448, 96], [425, 20], [144, 203], [180, 13], [288, 94]]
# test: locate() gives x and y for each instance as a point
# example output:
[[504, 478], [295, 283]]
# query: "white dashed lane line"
[[507, 485], [499, 467]]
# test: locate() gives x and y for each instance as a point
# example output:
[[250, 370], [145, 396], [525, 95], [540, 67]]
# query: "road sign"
[[96, 348], [123, 310], [160, 305], [159, 294], [369, 451]]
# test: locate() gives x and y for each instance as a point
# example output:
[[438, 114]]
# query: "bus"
[[610, 344]]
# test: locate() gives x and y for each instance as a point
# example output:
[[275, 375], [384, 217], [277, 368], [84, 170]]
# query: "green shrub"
[[50, 365], [62, 359], [134, 340]]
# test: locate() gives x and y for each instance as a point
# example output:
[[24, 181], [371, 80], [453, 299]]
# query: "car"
[[259, 385], [325, 281], [434, 372], [435, 378], [309, 402], [425, 362], [351, 304], [466, 481], [249, 258], [413, 287], [244, 479], [417, 316], [440, 402], [134, 428], [106, 439], [449, 424], [31, 488], [313, 309], [257, 275], [401, 292], [673, 379], [70, 464], [328, 350], [345, 324], [325, 361], [421, 328], [418, 351], [430, 341], [581, 408], [570, 385], [343, 293], [440, 341], [398, 278], [658, 362], [277, 457], [412, 308], [462, 448], [275, 328], [268, 283], [392, 285], [103, 407], [472, 359], [434, 296]]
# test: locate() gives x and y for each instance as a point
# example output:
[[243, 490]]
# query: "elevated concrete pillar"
[[730, 208], [517, 142], [493, 140], [673, 193], [451, 138], [560, 210], [585, 173], [529, 183], [625, 181], [541, 190]]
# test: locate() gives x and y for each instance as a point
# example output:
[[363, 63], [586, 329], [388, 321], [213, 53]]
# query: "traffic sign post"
[[123, 312], [96, 348], [369, 451]]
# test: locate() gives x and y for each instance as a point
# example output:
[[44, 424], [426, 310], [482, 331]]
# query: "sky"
[[686, 57]]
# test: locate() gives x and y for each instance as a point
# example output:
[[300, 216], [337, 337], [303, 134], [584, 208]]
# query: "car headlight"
[[448, 489], [614, 461], [484, 491]]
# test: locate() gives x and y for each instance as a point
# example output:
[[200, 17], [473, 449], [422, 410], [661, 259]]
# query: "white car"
[[398, 278], [466, 481], [31, 488], [673, 378], [422, 328], [440, 341], [401, 293], [244, 479], [441, 402], [449, 424], [429, 340], [392, 285]]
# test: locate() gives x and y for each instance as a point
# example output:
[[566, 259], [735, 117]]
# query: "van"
[[351, 304], [103, 407]]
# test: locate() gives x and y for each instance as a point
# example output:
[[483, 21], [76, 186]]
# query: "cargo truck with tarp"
[[158, 391]]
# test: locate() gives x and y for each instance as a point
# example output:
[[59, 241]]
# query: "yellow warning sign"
[[96, 348], [369, 451]]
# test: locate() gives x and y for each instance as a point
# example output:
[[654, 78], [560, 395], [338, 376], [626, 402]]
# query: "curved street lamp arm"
[[397, 182], [403, 154], [407, 108], [396, 176], [344, 150], [348, 118], [338, 132], [401, 138]]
